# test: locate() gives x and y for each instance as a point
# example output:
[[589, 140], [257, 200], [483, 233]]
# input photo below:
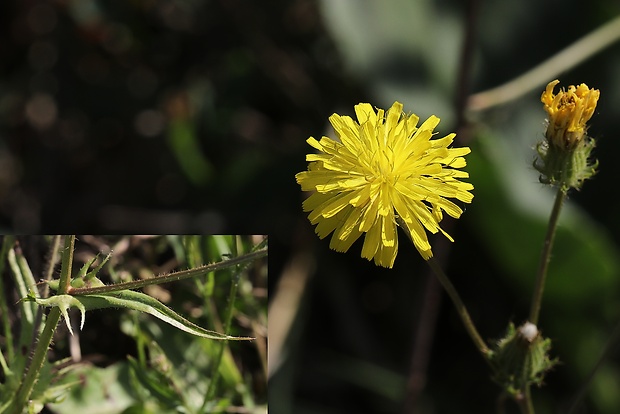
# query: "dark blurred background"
[[178, 115], [191, 116]]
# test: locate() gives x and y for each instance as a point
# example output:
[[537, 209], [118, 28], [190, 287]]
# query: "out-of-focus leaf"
[[157, 384], [584, 262], [184, 144], [407, 50], [101, 391]]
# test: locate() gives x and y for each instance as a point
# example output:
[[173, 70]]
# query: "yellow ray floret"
[[382, 168], [568, 111]]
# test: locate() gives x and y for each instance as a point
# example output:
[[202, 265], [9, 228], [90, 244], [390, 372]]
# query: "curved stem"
[[546, 256], [460, 308], [538, 76]]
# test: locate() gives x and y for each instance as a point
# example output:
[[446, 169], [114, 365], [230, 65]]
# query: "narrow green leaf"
[[22, 283], [130, 300], [145, 303], [7, 243]]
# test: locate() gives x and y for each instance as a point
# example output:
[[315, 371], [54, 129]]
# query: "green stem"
[[38, 358], [460, 307], [172, 277], [67, 264], [525, 402], [52, 259], [546, 255], [227, 322]]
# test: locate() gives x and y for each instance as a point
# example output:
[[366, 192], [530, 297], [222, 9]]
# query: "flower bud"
[[521, 358], [564, 155]]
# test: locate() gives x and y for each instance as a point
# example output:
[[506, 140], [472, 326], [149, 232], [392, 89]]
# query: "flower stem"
[[38, 358], [172, 277], [460, 307], [525, 402], [546, 255]]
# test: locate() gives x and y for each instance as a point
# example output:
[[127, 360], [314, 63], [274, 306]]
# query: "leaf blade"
[[135, 301]]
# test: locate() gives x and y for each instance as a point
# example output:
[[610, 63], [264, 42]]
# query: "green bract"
[[521, 358]]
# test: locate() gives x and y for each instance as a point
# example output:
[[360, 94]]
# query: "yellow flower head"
[[564, 156], [383, 166], [568, 113]]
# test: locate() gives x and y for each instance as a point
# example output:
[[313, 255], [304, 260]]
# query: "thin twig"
[[172, 277], [460, 308], [540, 75]]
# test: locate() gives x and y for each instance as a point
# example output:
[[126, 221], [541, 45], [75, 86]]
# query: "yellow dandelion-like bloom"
[[568, 113], [384, 167]]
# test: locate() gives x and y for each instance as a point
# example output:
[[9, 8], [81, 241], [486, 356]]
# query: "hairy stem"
[[38, 358], [546, 256], [172, 277], [460, 308]]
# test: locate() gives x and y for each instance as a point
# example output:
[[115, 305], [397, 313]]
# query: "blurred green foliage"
[[151, 367]]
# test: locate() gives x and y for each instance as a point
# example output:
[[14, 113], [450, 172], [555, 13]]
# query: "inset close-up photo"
[[133, 324]]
